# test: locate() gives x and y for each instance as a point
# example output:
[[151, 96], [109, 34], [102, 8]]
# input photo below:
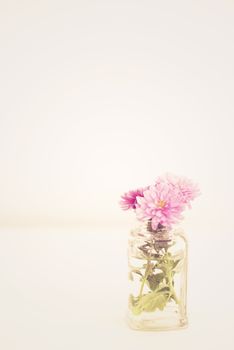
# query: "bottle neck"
[[162, 233]]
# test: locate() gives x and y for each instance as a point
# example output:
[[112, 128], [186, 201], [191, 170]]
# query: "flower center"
[[161, 204]]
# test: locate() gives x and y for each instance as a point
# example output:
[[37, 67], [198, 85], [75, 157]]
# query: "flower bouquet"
[[157, 254]]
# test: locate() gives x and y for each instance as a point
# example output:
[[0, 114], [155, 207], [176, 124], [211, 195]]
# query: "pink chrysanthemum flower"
[[163, 202], [188, 189], [129, 199]]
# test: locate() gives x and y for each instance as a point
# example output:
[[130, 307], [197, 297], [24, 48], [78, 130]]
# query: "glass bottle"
[[157, 278]]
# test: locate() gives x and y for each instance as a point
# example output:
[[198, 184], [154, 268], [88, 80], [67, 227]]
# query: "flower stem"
[[172, 290], [144, 278]]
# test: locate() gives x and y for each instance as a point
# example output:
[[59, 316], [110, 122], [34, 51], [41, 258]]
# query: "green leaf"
[[152, 301], [154, 280], [138, 272], [149, 302], [133, 305], [164, 289], [175, 263]]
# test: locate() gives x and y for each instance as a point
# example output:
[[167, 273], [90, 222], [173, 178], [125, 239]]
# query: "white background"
[[98, 97]]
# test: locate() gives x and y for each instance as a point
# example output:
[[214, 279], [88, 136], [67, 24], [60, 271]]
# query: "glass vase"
[[157, 278]]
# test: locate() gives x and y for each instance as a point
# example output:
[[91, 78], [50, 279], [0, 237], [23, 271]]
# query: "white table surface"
[[67, 289]]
